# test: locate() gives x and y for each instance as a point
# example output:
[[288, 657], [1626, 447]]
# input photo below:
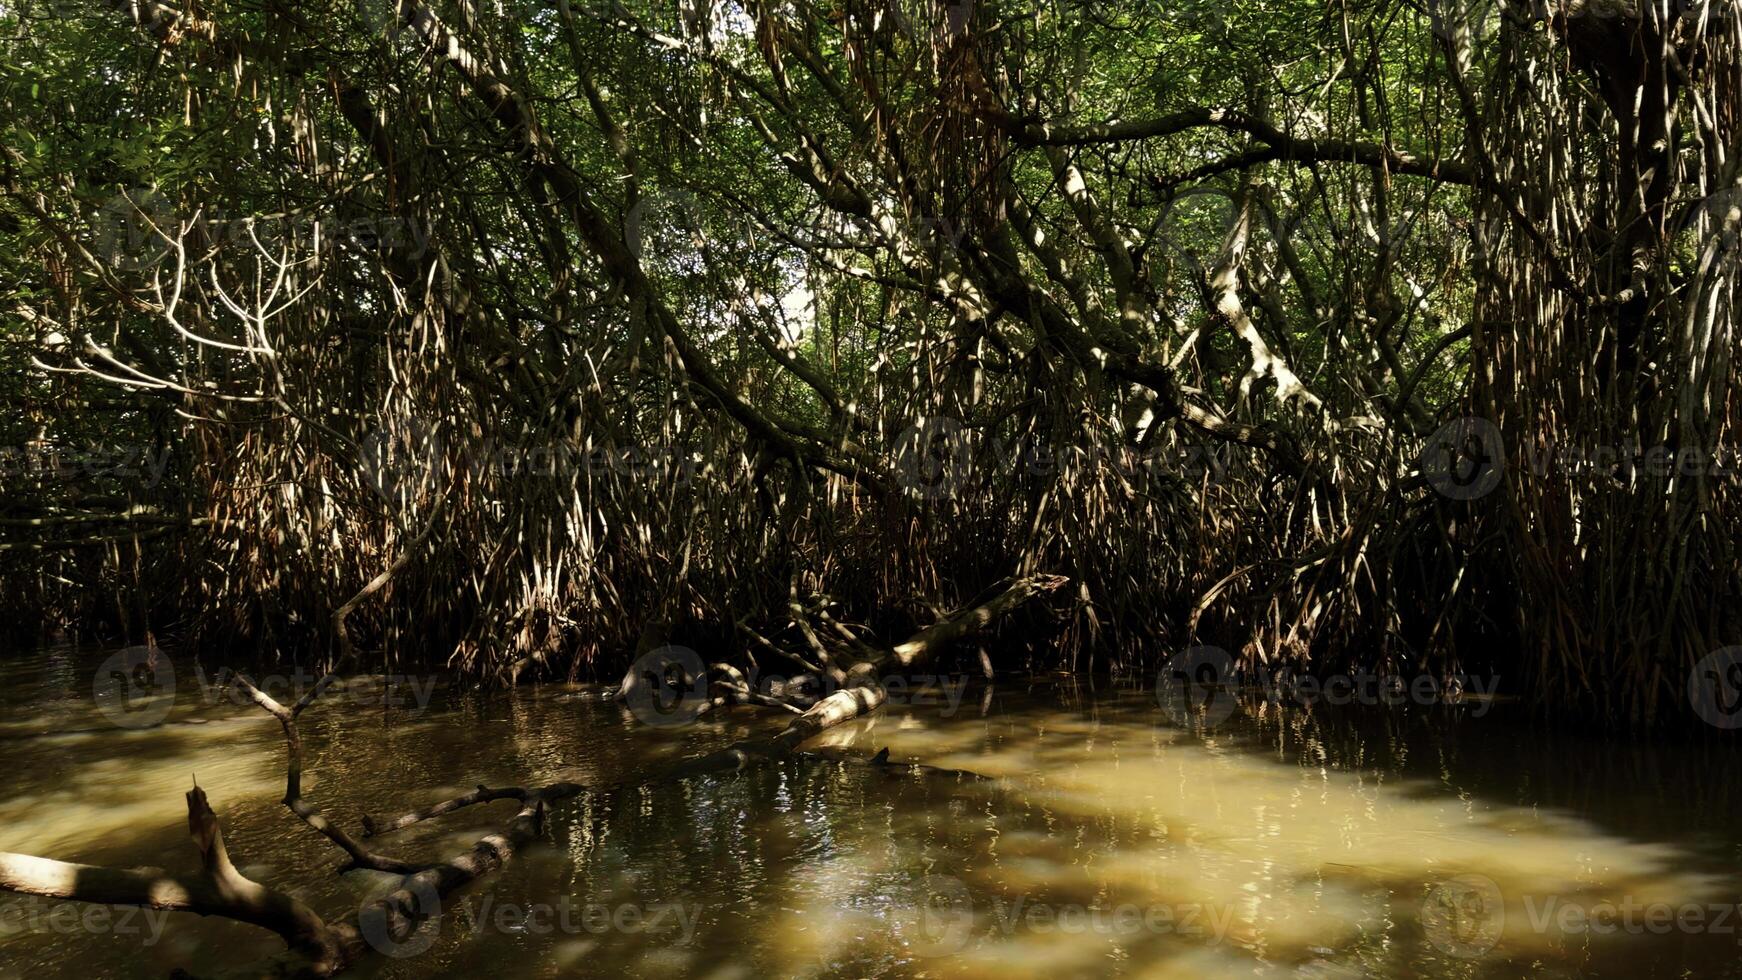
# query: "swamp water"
[[1070, 829]]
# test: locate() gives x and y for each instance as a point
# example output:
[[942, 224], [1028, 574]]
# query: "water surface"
[[1059, 829]]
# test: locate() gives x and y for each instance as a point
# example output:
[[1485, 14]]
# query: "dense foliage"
[[527, 335]]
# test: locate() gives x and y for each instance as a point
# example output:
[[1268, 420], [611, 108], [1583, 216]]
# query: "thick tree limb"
[[483, 794], [1284, 145], [218, 889]]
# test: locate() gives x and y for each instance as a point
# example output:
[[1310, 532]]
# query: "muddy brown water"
[[1082, 832]]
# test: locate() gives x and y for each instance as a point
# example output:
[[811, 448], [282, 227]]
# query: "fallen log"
[[218, 889]]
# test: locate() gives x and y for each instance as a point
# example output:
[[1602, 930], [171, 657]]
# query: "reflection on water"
[[1067, 830]]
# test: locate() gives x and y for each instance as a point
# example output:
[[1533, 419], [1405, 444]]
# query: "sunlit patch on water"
[[1055, 832]]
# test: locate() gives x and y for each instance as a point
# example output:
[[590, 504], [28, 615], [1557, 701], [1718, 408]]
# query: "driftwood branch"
[[361, 857], [483, 794], [218, 889]]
